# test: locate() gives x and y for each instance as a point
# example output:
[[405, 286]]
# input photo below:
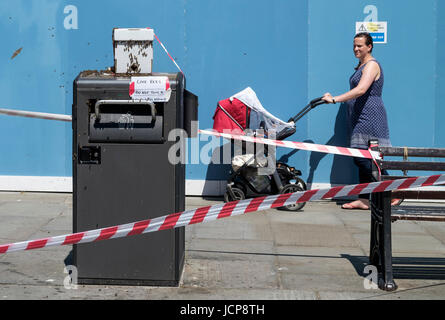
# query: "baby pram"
[[243, 114]]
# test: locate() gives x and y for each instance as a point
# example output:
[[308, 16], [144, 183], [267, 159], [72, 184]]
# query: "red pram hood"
[[244, 111], [231, 114]]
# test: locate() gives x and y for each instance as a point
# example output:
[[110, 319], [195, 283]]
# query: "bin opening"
[[126, 121]]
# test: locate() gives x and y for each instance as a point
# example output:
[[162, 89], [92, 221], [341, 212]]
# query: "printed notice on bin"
[[156, 88]]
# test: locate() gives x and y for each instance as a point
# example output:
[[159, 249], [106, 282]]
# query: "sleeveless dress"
[[367, 114]]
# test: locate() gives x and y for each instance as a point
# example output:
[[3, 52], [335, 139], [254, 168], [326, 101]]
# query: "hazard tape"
[[219, 211], [39, 115], [351, 152], [165, 49]]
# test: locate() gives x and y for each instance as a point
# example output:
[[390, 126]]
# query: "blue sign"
[[377, 36]]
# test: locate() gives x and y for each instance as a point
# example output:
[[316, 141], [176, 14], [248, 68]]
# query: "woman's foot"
[[396, 202], [361, 204]]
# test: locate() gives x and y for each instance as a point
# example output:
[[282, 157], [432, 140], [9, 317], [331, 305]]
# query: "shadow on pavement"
[[414, 268]]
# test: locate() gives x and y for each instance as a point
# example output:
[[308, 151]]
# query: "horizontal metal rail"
[[411, 165], [418, 213], [412, 152], [419, 195]]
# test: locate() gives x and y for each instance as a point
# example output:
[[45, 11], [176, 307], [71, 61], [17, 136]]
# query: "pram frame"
[[276, 174]]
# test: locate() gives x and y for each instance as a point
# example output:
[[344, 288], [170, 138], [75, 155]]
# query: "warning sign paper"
[[156, 89], [377, 30]]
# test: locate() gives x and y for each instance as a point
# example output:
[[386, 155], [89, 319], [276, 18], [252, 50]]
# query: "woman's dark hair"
[[368, 41], [368, 38]]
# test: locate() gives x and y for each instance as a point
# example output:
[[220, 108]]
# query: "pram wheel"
[[300, 182], [290, 188], [239, 195]]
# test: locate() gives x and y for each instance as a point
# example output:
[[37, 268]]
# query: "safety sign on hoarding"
[[378, 30]]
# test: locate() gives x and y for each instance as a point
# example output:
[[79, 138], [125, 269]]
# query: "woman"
[[366, 110]]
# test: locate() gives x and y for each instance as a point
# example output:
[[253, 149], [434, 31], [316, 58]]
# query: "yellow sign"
[[377, 30]]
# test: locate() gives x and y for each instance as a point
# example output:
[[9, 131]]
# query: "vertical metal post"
[[387, 283], [376, 220], [380, 254]]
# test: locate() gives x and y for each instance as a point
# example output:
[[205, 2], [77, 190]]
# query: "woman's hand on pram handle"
[[328, 98]]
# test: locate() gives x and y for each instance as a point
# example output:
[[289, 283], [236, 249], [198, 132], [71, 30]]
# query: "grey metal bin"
[[121, 174]]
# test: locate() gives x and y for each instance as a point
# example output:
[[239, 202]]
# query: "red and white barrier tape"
[[39, 115], [351, 152], [210, 213], [165, 49]]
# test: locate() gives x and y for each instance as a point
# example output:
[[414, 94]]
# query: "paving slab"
[[311, 235], [218, 273]]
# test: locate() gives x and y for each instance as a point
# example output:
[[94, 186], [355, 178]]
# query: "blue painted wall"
[[231, 45], [287, 51], [439, 127]]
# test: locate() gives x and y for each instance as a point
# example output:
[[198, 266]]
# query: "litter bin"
[[121, 174]]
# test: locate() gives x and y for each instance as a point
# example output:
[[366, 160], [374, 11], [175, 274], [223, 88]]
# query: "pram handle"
[[312, 104], [316, 102]]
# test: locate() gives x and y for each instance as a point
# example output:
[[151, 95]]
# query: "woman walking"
[[367, 114]]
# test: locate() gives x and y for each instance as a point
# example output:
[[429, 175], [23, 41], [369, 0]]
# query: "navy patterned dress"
[[367, 113]]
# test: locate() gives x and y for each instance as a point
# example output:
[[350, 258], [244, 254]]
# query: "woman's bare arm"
[[369, 74]]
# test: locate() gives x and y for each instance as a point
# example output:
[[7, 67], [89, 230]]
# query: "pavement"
[[319, 253]]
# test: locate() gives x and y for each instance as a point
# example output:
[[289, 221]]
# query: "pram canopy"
[[244, 111]]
